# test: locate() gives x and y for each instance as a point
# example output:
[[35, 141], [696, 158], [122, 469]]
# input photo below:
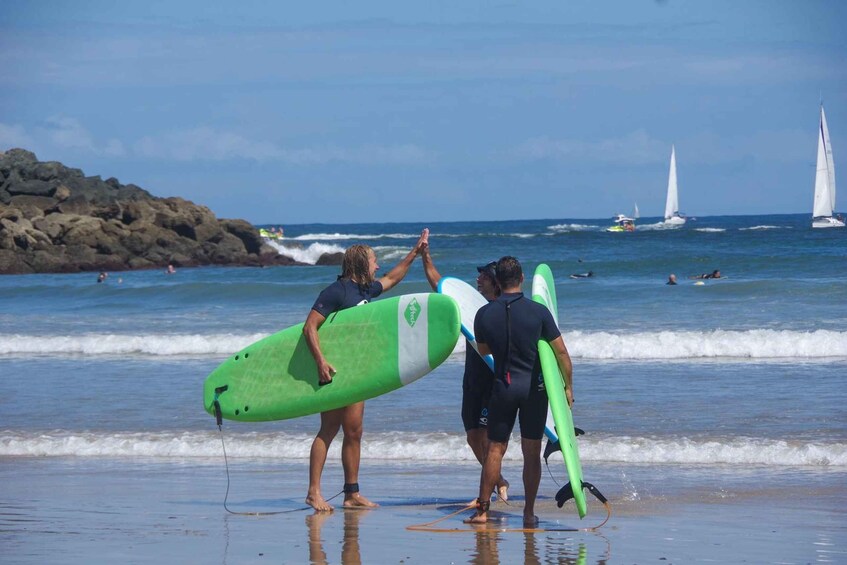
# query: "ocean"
[[728, 390]]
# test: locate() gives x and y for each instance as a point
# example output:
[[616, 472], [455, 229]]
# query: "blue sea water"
[[745, 370], [732, 390]]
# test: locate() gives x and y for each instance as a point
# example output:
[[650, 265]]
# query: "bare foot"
[[503, 489], [530, 521], [317, 502], [356, 500], [478, 518]]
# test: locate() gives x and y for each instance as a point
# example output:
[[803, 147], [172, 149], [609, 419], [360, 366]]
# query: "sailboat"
[[825, 182], [672, 215]]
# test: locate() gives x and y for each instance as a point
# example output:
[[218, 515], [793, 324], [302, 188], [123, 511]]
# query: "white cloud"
[[63, 132], [208, 144], [636, 148], [68, 133], [15, 136]]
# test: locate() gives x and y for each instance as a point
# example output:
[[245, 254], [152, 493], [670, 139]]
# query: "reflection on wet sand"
[[486, 551], [350, 551]]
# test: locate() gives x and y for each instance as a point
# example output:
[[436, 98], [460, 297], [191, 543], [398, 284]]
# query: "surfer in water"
[[477, 379], [356, 285], [716, 274], [509, 328], [582, 275]]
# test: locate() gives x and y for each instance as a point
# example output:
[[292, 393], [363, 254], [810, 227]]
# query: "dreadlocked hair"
[[355, 264]]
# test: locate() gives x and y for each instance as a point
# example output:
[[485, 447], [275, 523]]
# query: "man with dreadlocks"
[[356, 285]]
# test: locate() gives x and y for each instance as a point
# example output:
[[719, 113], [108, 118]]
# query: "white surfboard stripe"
[[539, 286], [413, 337], [470, 301]]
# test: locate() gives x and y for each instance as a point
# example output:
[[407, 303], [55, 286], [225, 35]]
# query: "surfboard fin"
[[593, 490], [551, 448], [554, 446], [566, 493]]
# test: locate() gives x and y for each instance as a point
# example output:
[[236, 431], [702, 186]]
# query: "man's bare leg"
[[531, 478], [478, 442], [351, 451], [330, 424], [490, 472]]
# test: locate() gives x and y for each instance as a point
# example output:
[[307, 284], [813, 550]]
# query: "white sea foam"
[[752, 344], [667, 345], [396, 446], [118, 344], [391, 253], [308, 255], [657, 226], [710, 230], [764, 228], [346, 236], [571, 227]]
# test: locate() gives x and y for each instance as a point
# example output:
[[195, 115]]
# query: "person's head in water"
[[359, 264], [509, 272], [486, 281], [672, 279]]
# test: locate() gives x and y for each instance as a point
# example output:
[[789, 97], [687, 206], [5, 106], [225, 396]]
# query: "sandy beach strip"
[[73, 510]]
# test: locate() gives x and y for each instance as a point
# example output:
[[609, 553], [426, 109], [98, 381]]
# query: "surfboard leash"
[[219, 420]]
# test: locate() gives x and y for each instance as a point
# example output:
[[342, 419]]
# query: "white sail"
[[636, 214], [672, 203], [824, 203]]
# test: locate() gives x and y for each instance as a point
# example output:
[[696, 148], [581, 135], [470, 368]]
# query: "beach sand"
[[74, 510]]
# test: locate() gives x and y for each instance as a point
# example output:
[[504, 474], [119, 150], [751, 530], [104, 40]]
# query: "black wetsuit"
[[512, 335], [476, 390], [343, 294]]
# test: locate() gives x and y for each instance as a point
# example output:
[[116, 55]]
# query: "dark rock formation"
[[55, 219]]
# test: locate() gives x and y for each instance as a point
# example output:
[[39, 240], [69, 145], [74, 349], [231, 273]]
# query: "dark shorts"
[[510, 403], [475, 409]]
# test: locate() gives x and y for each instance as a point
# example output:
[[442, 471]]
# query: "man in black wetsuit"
[[509, 328], [478, 378]]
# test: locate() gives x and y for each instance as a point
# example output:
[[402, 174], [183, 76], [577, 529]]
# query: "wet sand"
[[72, 511]]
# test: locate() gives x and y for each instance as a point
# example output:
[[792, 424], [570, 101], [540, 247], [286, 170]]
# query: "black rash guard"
[[343, 294]]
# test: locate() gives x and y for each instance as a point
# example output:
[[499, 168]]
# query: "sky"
[[350, 112]]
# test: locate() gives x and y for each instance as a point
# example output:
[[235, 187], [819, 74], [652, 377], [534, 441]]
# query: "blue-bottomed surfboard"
[[375, 348], [470, 301], [544, 292]]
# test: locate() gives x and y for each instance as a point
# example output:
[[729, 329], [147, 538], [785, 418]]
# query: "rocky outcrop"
[[55, 219]]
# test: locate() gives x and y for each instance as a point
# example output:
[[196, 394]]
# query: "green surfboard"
[[544, 292], [375, 348]]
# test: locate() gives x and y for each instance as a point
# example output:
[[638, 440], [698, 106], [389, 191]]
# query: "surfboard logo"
[[413, 310]]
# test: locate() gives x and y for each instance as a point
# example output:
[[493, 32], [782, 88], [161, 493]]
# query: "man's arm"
[[563, 359], [399, 271], [483, 349], [432, 274], [310, 330]]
